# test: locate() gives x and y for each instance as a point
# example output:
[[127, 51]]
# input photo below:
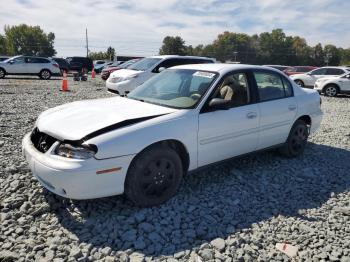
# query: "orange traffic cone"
[[93, 73], [64, 82]]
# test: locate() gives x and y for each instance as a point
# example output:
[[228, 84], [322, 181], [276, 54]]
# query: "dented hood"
[[76, 120]]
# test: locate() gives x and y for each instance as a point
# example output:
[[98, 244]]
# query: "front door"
[[223, 134], [16, 66]]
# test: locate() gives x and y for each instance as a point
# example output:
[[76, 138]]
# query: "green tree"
[[173, 46], [29, 40], [2, 45], [332, 55], [318, 55], [345, 56], [108, 55]]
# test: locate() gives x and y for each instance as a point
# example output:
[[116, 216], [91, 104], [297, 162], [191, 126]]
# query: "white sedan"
[[332, 86], [184, 118]]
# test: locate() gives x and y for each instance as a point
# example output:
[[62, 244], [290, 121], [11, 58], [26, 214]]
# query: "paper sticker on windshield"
[[204, 74]]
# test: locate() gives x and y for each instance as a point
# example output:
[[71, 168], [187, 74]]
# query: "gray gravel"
[[236, 211]]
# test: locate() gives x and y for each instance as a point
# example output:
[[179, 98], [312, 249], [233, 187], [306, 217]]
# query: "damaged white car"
[[184, 118]]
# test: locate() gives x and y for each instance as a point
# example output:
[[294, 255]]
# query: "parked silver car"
[[29, 65]]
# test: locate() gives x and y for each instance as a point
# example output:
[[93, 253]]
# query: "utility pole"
[[87, 43]]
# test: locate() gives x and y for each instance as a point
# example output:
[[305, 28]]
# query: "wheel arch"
[[330, 84], [176, 145], [45, 69], [306, 118], [3, 69]]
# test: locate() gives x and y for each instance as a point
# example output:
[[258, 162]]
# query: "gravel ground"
[[236, 211]]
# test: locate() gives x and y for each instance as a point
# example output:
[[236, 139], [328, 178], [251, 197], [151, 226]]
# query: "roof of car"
[[222, 68], [180, 56]]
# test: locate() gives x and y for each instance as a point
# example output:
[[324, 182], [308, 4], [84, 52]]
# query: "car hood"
[[125, 73], [81, 119]]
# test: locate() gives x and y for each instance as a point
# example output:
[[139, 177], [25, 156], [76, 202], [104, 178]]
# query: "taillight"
[[56, 65]]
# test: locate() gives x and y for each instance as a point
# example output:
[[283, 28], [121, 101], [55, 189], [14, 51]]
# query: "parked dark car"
[[294, 70], [62, 63], [79, 63]]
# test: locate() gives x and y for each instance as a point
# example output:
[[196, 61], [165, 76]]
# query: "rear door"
[[277, 107], [31, 65]]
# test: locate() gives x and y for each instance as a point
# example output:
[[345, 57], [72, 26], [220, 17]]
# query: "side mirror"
[[160, 69], [11, 62], [219, 104]]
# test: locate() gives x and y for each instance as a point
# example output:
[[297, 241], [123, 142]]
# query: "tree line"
[[273, 47], [26, 40]]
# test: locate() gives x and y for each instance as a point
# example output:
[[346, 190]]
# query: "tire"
[[299, 83], [45, 74], [331, 90], [296, 141], [154, 176], [2, 73]]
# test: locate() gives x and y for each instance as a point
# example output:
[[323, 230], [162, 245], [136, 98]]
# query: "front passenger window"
[[235, 89]]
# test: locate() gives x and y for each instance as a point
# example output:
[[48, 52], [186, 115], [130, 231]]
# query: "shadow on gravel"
[[32, 78], [213, 203]]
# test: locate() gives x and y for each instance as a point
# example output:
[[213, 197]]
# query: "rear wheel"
[[45, 74], [331, 90], [296, 140], [154, 176], [2, 73], [299, 83]]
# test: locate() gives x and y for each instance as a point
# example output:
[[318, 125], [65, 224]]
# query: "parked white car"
[[309, 79], [184, 118], [332, 86], [123, 81], [30, 65]]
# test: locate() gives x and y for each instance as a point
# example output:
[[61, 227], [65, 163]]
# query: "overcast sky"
[[138, 27]]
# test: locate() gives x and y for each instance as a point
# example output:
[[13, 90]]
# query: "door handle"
[[251, 115], [292, 107]]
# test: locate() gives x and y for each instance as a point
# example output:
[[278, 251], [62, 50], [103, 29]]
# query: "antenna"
[[87, 43]]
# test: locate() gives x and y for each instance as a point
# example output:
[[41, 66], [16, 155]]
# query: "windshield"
[[144, 64], [176, 88], [128, 63]]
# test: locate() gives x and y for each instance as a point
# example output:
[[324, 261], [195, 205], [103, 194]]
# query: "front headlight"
[[76, 152], [114, 79]]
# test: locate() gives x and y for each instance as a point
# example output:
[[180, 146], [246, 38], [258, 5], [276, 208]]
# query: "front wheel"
[[299, 83], [331, 90], [45, 74], [154, 176], [296, 140], [2, 73]]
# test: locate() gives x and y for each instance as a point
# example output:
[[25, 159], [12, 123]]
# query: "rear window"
[[37, 60], [335, 71]]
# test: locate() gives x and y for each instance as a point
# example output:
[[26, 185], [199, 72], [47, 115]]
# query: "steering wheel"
[[195, 96]]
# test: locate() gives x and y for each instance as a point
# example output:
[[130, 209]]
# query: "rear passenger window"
[[334, 71], [271, 86]]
